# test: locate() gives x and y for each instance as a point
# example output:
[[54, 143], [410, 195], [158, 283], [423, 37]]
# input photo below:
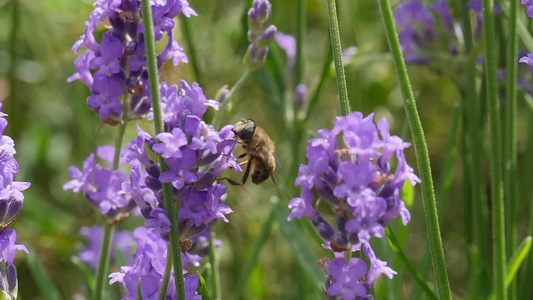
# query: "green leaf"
[[139, 293], [202, 289], [41, 277], [515, 262], [85, 270], [408, 195], [416, 276], [523, 32]]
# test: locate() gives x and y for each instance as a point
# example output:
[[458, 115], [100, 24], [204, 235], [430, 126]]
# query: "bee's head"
[[244, 129]]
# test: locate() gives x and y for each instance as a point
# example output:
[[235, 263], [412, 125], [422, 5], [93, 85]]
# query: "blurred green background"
[[53, 129]]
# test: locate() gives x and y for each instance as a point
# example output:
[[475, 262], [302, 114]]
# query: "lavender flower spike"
[[350, 171], [117, 64], [11, 200], [260, 33]]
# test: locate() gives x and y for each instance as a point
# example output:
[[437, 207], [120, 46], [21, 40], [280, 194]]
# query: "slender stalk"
[[475, 202], [301, 22], [239, 83], [158, 124], [105, 252], [510, 138], [103, 264], [498, 219], [215, 274], [193, 59], [417, 276], [422, 156], [166, 277], [337, 55]]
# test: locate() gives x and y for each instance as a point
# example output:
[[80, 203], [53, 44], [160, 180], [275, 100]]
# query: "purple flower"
[[529, 5], [260, 33], [119, 59], [528, 59], [301, 95], [148, 268], [123, 240], [287, 42], [195, 154], [350, 171], [103, 187], [11, 200], [8, 238], [347, 277]]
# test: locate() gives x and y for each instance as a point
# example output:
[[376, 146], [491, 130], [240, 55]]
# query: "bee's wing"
[[279, 177]]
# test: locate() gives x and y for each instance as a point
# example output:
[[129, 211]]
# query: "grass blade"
[[516, 261], [416, 276], [41, 277]]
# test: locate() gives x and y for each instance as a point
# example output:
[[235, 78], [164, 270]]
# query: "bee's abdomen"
[[260, 176]]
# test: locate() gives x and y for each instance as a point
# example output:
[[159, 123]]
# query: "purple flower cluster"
[[11, 200], [417, 31], [117, 64], [195, 153], [419, 34], [351, 171], [102, 186], [260, 33], [148, 268]]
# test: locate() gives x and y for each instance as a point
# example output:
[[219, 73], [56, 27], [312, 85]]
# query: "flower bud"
[[301, 95]]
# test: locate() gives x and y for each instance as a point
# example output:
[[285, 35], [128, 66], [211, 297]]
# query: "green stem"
[[422, 156], [166, 277], [215, 274], [510, 137], [477, 212], [301, 21], [417, 277], [103, 264], [239, 83], [158, 124], [193, 59], [229, 103], [105, 252], [337, 55], [498, 219]]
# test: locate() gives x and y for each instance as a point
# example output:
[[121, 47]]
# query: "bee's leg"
[[247, 172], [231, 181], [241, 156]]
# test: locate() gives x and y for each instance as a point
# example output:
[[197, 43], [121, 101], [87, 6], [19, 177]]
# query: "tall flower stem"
[[158, 123], [187, 32], [105, 251], [498, 219], [103, 264], [215, 274], [337, 56], [510, 128], [422, 156], [166, 277]]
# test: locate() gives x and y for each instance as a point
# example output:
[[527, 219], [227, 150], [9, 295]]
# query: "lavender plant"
[[119, 59], [11, 200], [425, 30], [354, 181]]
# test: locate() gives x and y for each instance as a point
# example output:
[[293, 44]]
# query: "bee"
[[258, 147]]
